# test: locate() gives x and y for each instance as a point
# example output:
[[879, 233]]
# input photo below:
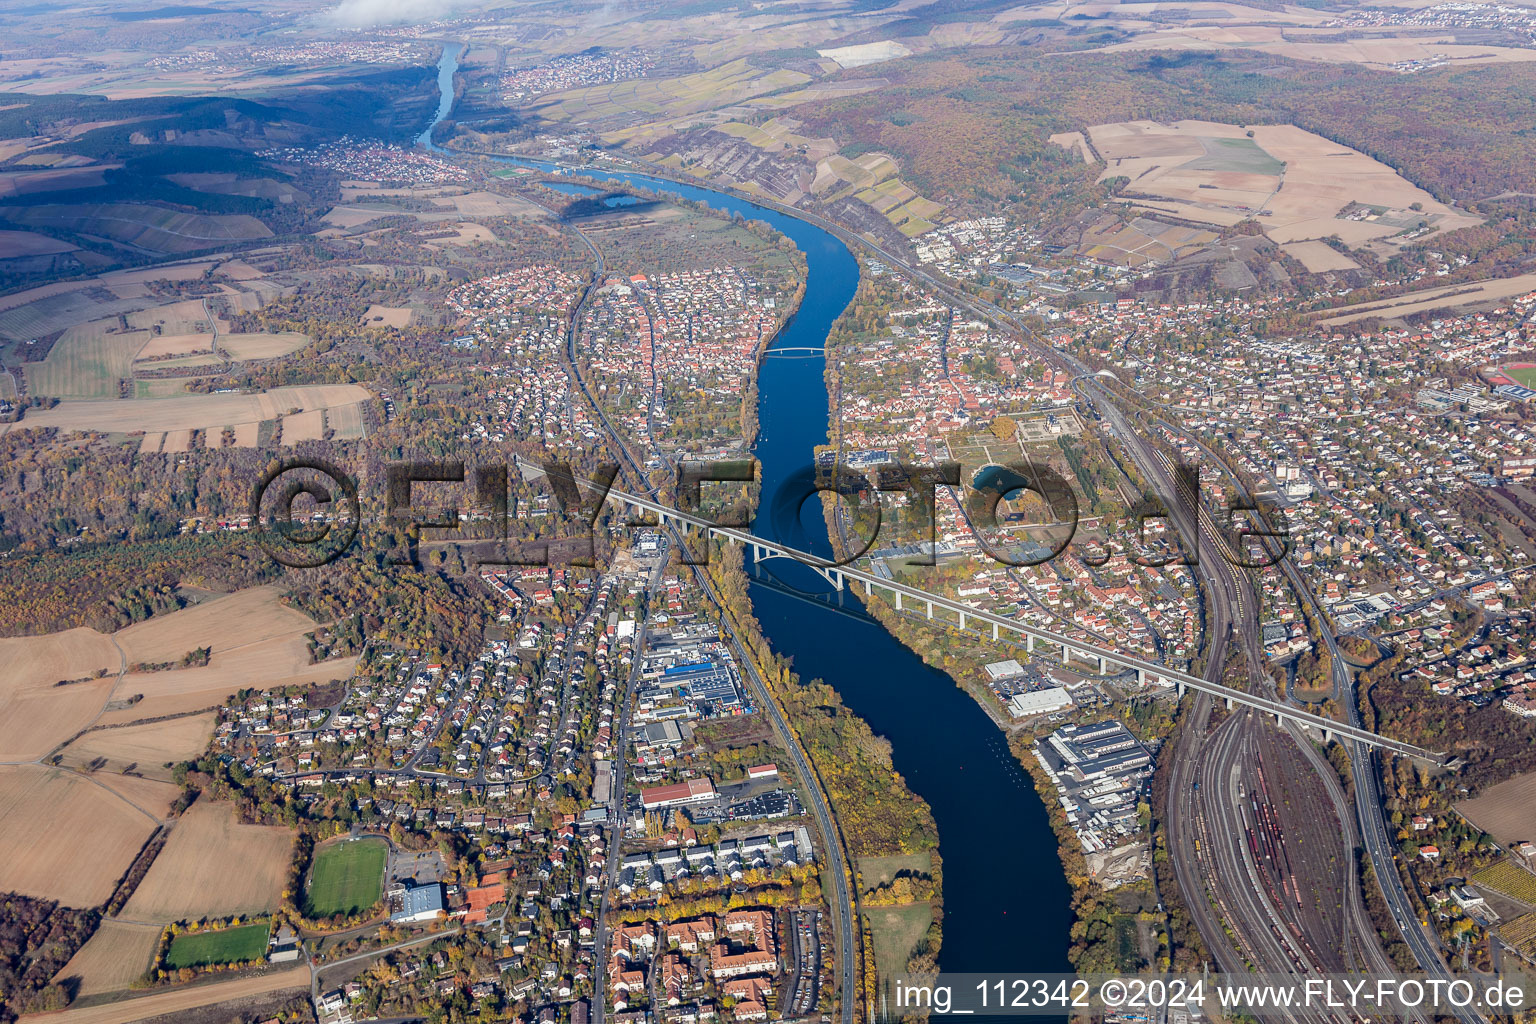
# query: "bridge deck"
[[839, 574]]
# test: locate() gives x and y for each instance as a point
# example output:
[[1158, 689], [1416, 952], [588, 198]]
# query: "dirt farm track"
[[177, 1001]]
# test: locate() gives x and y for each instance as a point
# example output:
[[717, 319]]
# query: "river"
[[447, 67], [1006, 900]]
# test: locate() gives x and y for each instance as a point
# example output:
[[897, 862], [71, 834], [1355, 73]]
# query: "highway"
[[1370, 812], [1245, 925], [1225, 598]]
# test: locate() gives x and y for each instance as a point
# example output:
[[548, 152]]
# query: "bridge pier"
[[1088, 653]]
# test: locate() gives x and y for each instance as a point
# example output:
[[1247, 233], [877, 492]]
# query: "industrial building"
[[1039, 702], [691, 792]]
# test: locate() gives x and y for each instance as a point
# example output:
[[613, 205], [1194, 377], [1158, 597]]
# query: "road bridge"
[[909, 598], [794, 352]]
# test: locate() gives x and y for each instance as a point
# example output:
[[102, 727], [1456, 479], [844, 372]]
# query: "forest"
[[37, 937], [1463, 134]]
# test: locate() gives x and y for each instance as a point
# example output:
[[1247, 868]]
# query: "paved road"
[[1204, 808], [837, 869], [1369, 813], [315, 970], [1226, 594], [616, 807]]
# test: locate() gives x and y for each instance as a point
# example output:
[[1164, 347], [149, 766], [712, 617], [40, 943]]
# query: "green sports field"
[[347, 877], [1525, 376], [227, 946]]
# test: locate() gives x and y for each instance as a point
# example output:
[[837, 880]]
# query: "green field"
[[895, 932], [226, 946], [1524, 376], [876, 870], [86, 362], [347, 877], [1243, 156]]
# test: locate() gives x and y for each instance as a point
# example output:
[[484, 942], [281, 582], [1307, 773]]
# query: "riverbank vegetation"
[[887, 831]]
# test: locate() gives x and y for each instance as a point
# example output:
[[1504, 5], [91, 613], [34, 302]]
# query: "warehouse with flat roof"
[[691, 792], [1039, 702]]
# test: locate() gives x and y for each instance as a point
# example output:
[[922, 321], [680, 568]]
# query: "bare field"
[[1074, 142], [1445, 297], [490, 204], [467, 232], [859, 55], [213, 866], [394, 316], [176, 345], [239, 270], [349, 216], [35, 714], [60, 310], [1504, 810], [144, 747], [1221, 172], [1319, 257], [193, 412], [270, 663], [18, 183], [42, 291], [306, 426], [114, 957], [1380, 51], [15, 244], [151, 796], [232, 620], [188, 271], [180, 1000], [261, 345], [63, 837], [184, 317], [666, 97], [256, 641]]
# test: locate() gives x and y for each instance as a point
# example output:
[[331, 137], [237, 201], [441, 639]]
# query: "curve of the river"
[[1006, 901]]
